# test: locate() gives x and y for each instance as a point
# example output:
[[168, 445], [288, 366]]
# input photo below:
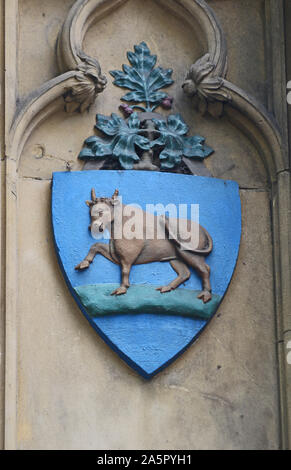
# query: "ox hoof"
[[164, 289], [205, 295], [84, 265], [120, 291]]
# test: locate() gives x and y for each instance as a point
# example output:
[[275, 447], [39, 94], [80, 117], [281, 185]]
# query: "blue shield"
[[148, 330]]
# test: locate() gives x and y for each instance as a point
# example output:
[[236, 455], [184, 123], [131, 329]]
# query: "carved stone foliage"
[[89, 83], [144, 79], [205, 87], [164, 141], [167, 138]]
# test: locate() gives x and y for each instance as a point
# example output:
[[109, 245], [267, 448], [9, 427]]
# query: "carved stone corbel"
[[89, 80], [205, 87], [89, 83]]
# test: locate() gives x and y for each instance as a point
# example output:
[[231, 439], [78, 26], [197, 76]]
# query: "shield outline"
[[99, 174]]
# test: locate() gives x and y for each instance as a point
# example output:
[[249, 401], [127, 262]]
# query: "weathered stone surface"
[[243, 24], [38, 30], [286, 359], [73, 391], [2, 212]]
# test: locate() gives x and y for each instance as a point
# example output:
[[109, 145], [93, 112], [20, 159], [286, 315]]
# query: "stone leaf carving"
[[144, 80], [120, 139], [89, 82], [206, 87], [160, 139]]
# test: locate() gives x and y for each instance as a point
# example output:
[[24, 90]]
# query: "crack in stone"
[[217, 398], [259, 190], [35, 178]]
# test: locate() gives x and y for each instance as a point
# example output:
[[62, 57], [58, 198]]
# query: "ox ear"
[[114, 199], [90, 203]]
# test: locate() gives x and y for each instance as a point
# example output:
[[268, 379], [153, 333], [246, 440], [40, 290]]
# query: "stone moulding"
[[244, 111], [198, 12], [82, 14]]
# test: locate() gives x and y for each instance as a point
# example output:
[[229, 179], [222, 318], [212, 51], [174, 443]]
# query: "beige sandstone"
[[72, 391]]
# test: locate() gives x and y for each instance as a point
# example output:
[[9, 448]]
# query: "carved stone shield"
[[149, 329]]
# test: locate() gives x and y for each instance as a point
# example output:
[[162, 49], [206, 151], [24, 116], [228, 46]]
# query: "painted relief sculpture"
[[147, 223], [163, 141], [127, 252]]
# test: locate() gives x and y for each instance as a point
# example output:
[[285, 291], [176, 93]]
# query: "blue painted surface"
[[147, 342]]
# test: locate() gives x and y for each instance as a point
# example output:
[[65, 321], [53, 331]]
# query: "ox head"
[[102, 214]]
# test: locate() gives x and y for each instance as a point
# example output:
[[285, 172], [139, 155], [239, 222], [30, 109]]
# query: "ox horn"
[[93, 195], [114, 199]]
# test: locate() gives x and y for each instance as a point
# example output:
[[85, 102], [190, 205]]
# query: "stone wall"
[[65, 389]]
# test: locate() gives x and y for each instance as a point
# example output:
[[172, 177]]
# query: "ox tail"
[[205, 251], [209, 247]]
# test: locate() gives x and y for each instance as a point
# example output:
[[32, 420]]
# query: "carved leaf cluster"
[[173, 138], [202, 84], [89, 82], [120, 139], [143, 79]]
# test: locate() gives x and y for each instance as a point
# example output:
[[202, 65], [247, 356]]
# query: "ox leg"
[[127, 253], [125, 271], [97, 248], [197, 262], [183, 276]]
